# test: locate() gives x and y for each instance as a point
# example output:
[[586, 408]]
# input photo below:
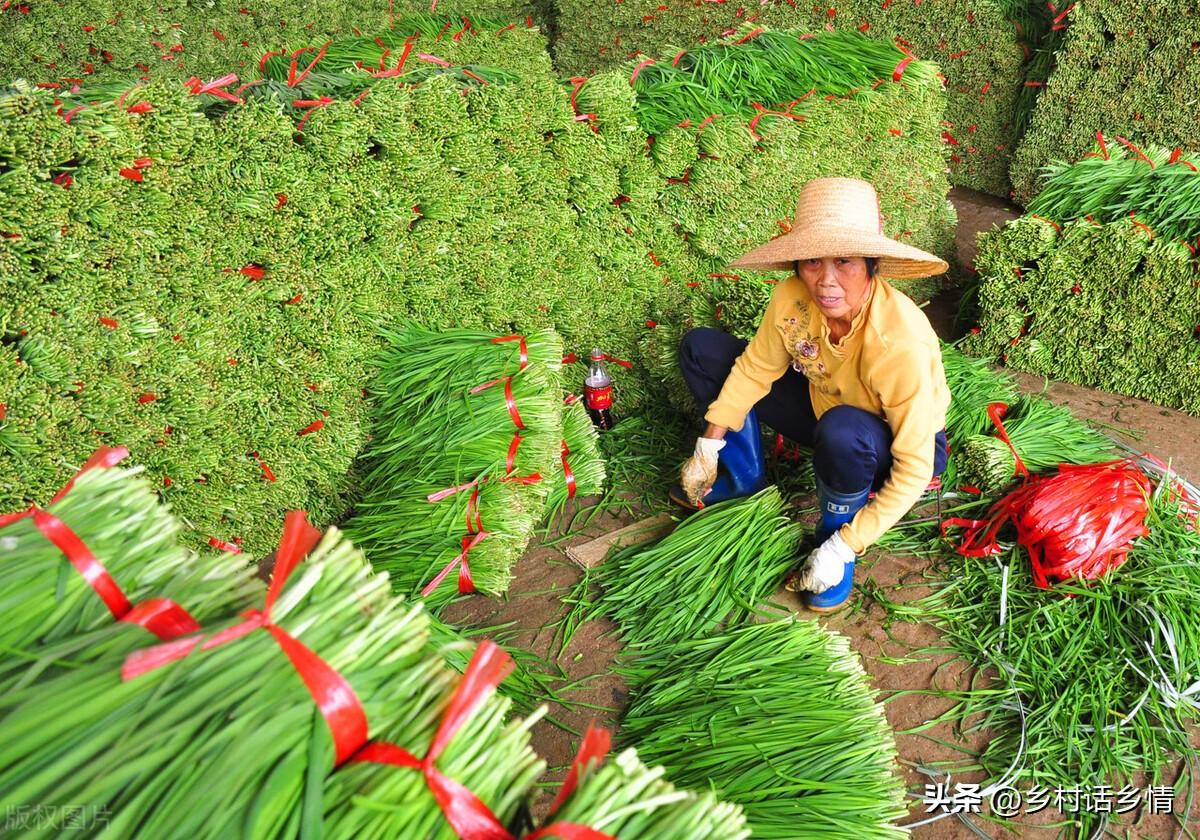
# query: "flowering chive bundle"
[[415, 540], [771, 68], [463, 359], [1160, 186], [580, 467], [627, 800], [234, 726], [112, 515], [210, 587], [717, 566], [778, 718], [1043, 434], [468, 435], [506, 429]]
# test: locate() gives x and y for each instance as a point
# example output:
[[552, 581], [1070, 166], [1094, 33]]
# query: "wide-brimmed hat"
[[839, 217]]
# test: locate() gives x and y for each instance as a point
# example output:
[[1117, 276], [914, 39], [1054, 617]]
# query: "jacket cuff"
[[852, 539], [721, 415]]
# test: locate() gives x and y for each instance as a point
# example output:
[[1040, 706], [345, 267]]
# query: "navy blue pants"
[[852, 448]]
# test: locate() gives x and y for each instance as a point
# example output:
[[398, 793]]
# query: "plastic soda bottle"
[[598, 392]]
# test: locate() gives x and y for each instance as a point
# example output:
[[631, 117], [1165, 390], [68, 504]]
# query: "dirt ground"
[[545, 575]]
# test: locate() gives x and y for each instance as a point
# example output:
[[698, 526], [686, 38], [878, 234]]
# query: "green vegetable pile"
[[203, 283], [58, 40], [468, 445], [234, 726], [1096, 285], [1127, 69], [778, 718], [975, 44], [625, 798], [771, 67]]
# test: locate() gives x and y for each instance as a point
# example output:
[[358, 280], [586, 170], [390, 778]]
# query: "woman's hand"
[[826, 565], [700, 471]]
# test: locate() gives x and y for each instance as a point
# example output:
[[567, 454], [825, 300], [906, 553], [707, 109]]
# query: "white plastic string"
[[1011, 774]]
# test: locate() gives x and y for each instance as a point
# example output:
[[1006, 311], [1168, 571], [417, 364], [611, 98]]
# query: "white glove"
[[826, 565], [700, 471]]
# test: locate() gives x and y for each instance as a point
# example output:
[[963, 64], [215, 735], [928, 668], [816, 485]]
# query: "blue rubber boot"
[[836, 510], [740, 468]]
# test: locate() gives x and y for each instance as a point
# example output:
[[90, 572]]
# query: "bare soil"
[[544, 575]]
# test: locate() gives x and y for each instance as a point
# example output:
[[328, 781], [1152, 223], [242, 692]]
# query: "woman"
[[842, 363]]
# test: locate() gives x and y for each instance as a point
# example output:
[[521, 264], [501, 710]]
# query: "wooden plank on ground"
[[592, 554]]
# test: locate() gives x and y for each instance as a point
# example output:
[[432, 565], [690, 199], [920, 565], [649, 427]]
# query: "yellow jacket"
[[890, 364]]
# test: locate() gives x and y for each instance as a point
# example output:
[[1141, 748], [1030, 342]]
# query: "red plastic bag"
[[1078, 523]]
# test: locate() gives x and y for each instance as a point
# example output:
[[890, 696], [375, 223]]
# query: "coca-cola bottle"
[[597, 392]]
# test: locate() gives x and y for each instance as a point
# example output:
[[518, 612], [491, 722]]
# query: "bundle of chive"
[[1081, 684], [53, 613], [778, 718], [468, 440], [1044, 435], [974, 385], [625, 799], [354, 60], [768, 68], [716, 567], [234, 727], [341, 72], [580, 467], [1095, 284]]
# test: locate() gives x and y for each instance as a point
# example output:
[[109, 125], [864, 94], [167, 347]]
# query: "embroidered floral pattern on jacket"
[[805, 349]]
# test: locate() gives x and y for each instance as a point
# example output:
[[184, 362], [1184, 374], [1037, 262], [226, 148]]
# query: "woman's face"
[[839, 285]]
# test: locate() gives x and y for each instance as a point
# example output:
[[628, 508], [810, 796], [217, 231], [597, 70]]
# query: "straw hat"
[[839, 217]]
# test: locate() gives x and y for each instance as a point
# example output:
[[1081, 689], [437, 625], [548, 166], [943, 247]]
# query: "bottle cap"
[[597, 354]]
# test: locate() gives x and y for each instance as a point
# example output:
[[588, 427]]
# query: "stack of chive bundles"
[[234, 726], [466, 451], [659, 349], [53, 617], [778, 718], [1086, 683], [715, 568], [343, 68], [624, 798], [773, 67], [1096, 284], [1126, 68], [1043, 434]]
